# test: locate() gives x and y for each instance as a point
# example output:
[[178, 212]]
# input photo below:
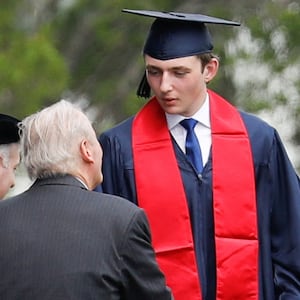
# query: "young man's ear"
[[211, 69]]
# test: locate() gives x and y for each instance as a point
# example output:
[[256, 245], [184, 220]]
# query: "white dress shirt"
[[202, 129]]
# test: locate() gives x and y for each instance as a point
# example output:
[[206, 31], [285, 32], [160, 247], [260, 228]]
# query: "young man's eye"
[[180, 73], [153, 72]]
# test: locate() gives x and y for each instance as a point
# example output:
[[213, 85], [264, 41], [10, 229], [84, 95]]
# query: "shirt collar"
[[202, 116], [81, 181]]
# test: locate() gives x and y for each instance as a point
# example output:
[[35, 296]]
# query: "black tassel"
[[144, 89]]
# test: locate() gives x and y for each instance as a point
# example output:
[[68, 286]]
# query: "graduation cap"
[[9, 131], [175, 34]]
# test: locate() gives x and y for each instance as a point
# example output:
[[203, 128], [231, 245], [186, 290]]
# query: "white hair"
[[50, 139]]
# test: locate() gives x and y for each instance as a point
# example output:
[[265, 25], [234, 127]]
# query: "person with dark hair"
[[60, 240], [9, 152], [221, 195]]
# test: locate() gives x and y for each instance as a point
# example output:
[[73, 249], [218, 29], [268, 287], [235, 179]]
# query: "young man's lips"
[[169, 99]]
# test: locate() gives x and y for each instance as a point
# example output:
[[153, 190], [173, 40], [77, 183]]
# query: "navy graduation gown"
[[278, 205]]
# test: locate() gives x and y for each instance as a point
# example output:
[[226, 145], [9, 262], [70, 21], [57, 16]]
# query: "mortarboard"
[[175, 34], [9, 131]]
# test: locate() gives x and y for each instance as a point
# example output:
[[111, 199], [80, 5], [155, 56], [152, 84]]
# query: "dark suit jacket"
[[61, 241]]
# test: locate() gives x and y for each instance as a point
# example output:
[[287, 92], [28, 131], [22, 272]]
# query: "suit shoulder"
[[116, 204]]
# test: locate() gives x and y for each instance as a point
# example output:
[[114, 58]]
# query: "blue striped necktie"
[[192, 147]]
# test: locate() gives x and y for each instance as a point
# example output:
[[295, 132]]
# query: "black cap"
[[9, 131], [175, 34]]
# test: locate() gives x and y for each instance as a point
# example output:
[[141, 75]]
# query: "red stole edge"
[[234, 197]]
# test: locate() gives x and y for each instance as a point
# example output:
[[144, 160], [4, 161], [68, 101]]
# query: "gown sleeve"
[[111, 162], [285, 223], [117, 164]]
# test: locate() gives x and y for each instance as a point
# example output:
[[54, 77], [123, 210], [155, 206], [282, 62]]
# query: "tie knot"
[[189, 124]]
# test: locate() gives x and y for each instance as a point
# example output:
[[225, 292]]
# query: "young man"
[[9, 152], [225, 220], [59, 239]]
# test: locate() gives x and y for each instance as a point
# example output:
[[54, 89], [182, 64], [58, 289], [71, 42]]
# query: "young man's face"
[[179, 84], [7, 173]]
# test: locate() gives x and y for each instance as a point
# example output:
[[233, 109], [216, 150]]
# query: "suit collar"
[[61, 180]]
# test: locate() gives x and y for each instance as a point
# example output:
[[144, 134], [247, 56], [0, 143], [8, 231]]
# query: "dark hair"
[[206, 58]]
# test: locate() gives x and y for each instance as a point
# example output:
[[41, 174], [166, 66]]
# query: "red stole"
[[159, 186]]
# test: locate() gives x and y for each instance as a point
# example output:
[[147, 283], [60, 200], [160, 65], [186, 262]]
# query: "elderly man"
[[9, 152], [60, 240]]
